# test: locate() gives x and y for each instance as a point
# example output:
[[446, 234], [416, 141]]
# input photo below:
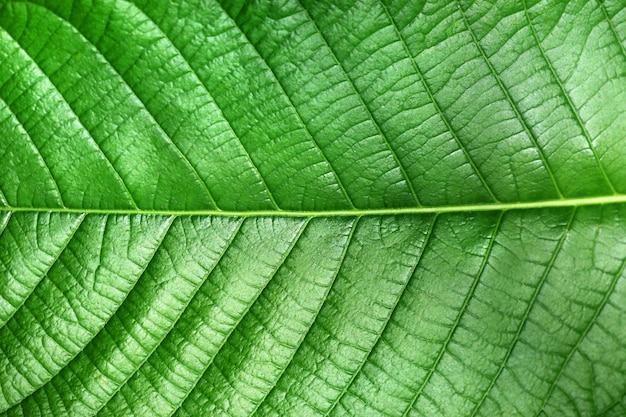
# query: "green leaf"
[[312, 208]]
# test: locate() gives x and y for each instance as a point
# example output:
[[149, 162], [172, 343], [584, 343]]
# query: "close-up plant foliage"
[[313, 208]]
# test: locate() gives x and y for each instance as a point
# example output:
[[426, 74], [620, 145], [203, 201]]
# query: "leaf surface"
[[312, 208]]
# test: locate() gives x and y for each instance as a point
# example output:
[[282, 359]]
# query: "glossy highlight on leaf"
[[312, 208]]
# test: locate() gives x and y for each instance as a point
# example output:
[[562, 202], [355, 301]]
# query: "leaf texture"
[[312, 208]]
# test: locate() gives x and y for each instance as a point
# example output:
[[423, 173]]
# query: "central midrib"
[[570, 202]]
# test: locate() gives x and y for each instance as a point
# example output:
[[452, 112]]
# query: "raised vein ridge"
[[462, 208]]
